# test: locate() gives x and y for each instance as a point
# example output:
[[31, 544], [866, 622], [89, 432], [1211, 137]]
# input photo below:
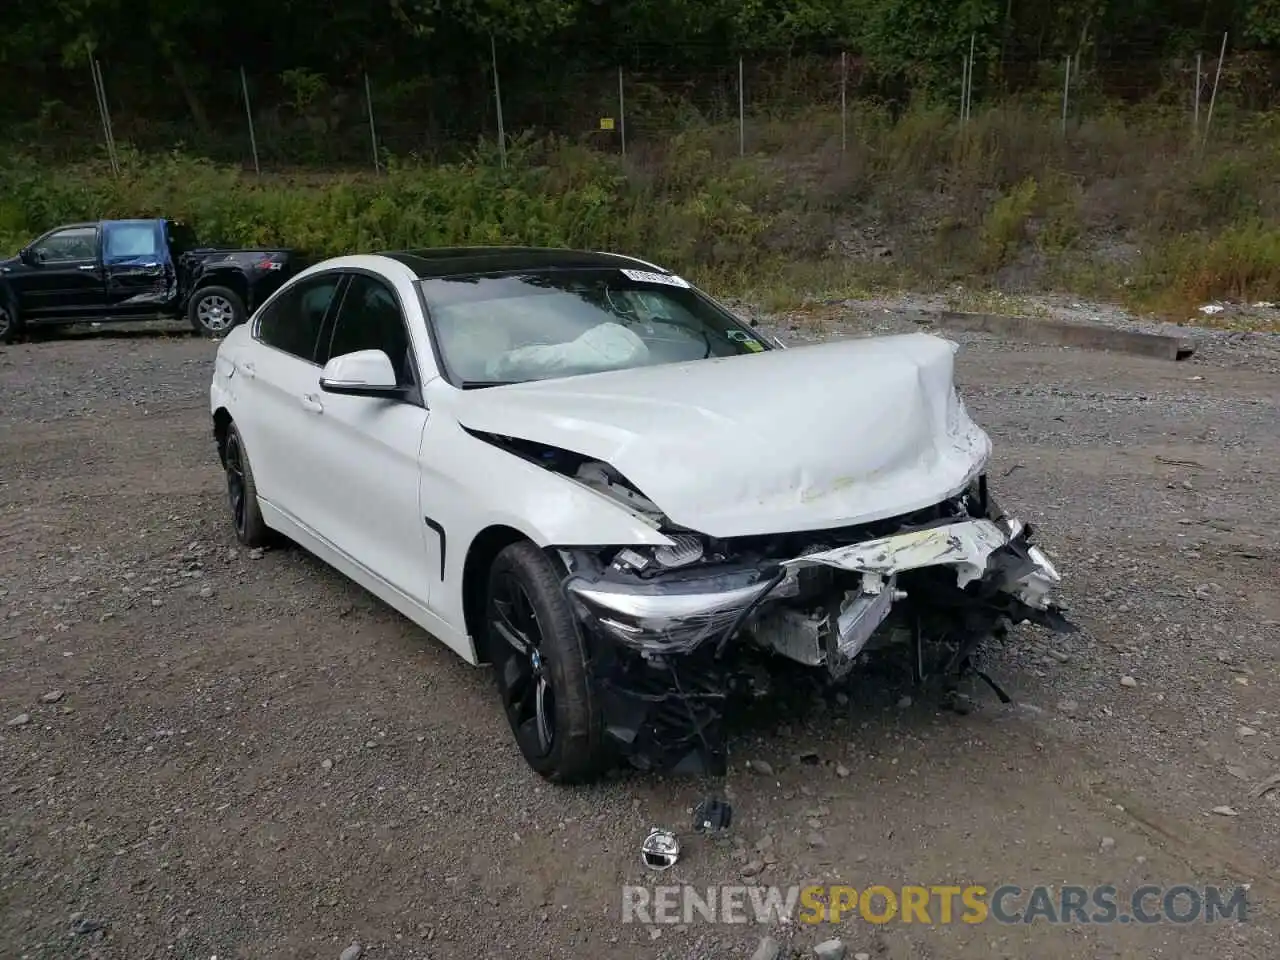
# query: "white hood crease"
[[808, 438]]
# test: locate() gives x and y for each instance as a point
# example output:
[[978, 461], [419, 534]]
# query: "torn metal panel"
[[965, 546]]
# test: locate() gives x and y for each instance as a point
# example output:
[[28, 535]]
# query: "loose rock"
[[1225, 811], [21, 720], [761, 767], [769, 949], [1128, 681], [53, 696], [352, 952], [830, 950]]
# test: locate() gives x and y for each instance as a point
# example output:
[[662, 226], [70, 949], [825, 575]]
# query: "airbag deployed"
[[606, 346]]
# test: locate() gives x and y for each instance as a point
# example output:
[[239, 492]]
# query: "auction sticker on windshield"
[[644, 276]]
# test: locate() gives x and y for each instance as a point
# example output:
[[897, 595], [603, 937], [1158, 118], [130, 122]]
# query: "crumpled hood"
[[808, 438]]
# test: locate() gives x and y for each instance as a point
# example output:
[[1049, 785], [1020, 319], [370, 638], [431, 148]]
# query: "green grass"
[[1123, 208]]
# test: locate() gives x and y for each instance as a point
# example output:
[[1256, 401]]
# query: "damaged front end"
[[675, 630]]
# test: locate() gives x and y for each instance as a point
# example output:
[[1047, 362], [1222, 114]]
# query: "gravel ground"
[[247, 756]]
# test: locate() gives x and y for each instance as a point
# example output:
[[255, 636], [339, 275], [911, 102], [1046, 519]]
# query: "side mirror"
[[365, 373]]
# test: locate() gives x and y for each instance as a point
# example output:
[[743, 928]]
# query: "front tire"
[[540, 664], [8, 323], [242, 493], [215, 311]]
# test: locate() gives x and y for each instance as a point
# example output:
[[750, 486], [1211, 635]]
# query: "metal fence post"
[[844, 114], [373, 130], [1066, 89], [742, 114], [1222, 55], [100, 89], [248, 114], [968, 95], [622, 114], [497, 99]]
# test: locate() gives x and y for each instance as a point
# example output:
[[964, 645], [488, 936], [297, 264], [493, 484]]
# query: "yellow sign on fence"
[[606, 123]]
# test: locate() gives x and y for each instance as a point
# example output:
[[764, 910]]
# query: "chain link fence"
[[356, 118]]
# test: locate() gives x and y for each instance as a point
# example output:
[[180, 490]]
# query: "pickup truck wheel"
[[540, 665], [242, 493], [214, 311], [8, 324]]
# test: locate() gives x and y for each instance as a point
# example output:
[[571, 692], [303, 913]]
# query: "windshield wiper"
[[478, 384]]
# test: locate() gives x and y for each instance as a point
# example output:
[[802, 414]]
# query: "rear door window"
[[293, 321]]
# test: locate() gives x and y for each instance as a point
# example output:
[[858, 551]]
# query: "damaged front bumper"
[[660, 641]]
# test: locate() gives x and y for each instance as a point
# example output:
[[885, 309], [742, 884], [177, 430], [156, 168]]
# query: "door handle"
[[309, 402], [88, 266]]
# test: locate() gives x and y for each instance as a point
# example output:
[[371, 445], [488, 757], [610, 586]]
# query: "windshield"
[[510, 329]]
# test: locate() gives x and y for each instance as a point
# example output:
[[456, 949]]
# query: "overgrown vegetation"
[[1122, 207]]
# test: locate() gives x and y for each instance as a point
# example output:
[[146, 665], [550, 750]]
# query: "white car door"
[[276, 374], [364, 451]]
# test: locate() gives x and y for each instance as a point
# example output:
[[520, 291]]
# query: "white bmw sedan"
[[582, 470]]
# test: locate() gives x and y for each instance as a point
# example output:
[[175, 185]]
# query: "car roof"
[[441, 262]]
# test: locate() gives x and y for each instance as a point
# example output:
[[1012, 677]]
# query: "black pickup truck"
[[117, 270]]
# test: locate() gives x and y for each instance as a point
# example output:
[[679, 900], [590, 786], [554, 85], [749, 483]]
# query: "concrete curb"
[[1061, 334]]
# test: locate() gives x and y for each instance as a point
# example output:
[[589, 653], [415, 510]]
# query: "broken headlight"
[[658, 617], [685, 549]]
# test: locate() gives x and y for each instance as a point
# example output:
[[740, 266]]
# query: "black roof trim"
[[441, 262]]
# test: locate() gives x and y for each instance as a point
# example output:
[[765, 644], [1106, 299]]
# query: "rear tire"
[[215, 311], [242, 493], [540, 665]]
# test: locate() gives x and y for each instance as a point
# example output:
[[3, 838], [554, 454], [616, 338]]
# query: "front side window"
[[558, 323], [370, 319], [293, 320], [73, 243]]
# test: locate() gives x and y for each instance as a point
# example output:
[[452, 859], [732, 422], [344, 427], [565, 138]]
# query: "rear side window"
[[370, 319], [292, 322], [127, 241]]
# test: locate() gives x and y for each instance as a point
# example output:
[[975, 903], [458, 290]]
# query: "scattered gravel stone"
[[753, 869], [769, 949], [830, 950], [1225, 811], [761, 766], [841, 770], [21, 720], [206, 591], [352, 952], [1107, 843], [53, 696], [83, 926], [1128, 681], [1246, 732], [256, 554], [326, 764]]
